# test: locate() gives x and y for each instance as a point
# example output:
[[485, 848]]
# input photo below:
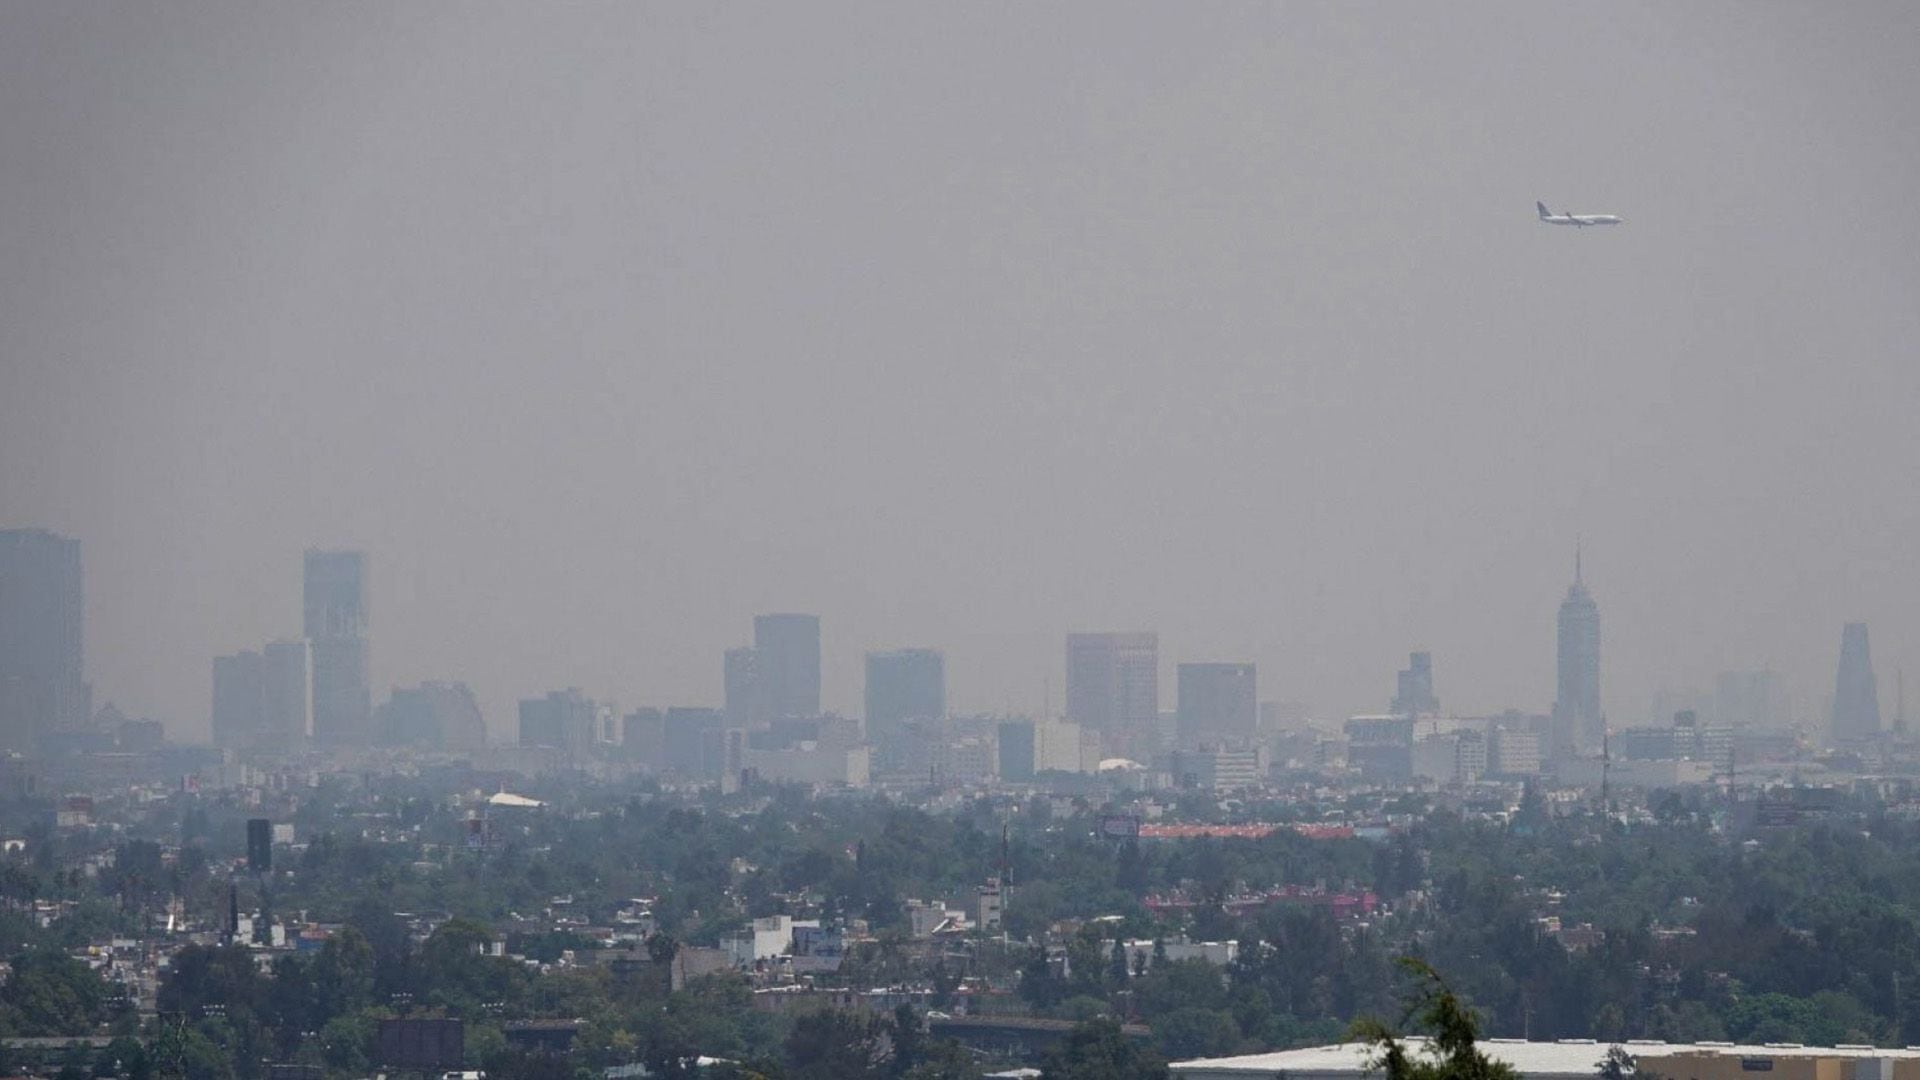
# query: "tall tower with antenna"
[[1579, 726]]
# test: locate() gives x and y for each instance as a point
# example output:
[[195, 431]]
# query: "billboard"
[[428, 1045], [1120, 826]]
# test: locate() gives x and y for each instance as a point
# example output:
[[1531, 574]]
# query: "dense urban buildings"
[[769, 843], [336, 628], [1218, 706], [1856, 695], [1579, 725], [1113, 689], [43, 685]]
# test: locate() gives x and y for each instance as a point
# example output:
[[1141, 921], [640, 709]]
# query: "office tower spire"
[[1578, 724], [1856, 696]]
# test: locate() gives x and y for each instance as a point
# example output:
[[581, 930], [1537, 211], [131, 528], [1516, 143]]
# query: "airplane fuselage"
[[1581, 221]]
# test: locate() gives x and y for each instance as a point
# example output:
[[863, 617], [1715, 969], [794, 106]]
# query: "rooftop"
[[1563, 1058]]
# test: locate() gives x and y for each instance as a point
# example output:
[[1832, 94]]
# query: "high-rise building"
[[1113, 688], [693, 743], [43, 685], [1856, 696], [336, 626], [787, 652], [746, 691], [261, 699], [904, 685], [432, 716], [287, 678], [643, 737], [1218, 706], [1414, 697], [239, 698], [1579, 726], [564, 720], [1017, 747]]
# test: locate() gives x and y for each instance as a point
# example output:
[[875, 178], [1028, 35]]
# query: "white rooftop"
[[1564, 1058]]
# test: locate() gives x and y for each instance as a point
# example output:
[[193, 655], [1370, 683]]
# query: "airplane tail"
[[1542, 207]]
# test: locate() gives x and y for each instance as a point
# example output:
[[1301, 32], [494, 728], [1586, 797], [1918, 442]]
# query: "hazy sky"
[[603, 327]]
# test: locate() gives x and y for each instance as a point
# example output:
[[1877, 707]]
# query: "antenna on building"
[[1900, 701], [1576, 560]]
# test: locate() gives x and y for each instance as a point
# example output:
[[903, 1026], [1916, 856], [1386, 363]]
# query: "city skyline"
[[335, 602], [601, 330]]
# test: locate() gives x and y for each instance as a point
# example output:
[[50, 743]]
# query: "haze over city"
[[602, 329]]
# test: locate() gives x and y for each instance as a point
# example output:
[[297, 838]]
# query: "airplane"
[[1577, 220]]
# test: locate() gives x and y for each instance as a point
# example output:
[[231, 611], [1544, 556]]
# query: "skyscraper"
[[1016, 745], [1856, 696], [1218, 707], [1414, 696], [563, 720], [262, 700], [336, 625], [787, 655], [1113, 687], [1578, 724], [42, 676], [693, 743], [746, 692], [433, 715], [239, 698], [288, 684], [904, 685]]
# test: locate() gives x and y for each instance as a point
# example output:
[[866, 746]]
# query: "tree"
[[1117, 972], [836, 1044], [1620, 1065], [1098, 1050], [343, 974], [661, 948], [203, 979], [1452, 1054], [1193, 1033], [50, 993], [1039, 986]]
